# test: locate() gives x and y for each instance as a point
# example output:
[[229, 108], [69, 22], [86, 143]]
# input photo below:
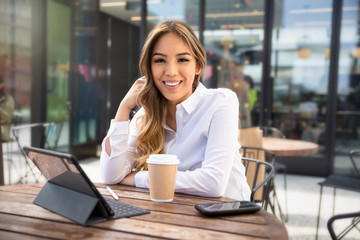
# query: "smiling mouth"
[[172, 84]]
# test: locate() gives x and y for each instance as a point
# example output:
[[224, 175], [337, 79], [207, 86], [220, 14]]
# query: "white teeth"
[[171, 84]]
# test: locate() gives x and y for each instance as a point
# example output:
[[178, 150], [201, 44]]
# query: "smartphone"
[[227, 208]]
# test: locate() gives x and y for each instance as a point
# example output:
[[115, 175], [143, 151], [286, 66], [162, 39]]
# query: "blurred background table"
[[283, 147], [20, 219]]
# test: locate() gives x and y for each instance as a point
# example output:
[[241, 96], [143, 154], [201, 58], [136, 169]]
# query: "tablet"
[[65, 176]]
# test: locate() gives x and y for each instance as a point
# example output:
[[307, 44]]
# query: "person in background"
[[7, 105], [308, 111], [179, 116], [309, 106], [253, 99], [241, 87]]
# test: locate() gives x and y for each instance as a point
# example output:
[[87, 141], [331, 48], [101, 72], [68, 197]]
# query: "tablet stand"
[[79, 207]]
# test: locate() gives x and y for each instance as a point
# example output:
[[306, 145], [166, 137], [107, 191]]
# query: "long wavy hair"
[[151, 134]]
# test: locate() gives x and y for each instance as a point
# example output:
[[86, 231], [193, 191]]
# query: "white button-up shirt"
[[206, 143]]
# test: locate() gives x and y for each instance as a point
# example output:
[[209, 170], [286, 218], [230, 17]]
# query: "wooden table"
[[283, 147], [21, 219]]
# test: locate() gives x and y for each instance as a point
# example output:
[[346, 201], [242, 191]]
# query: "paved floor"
[[303, 200], [303, 205]]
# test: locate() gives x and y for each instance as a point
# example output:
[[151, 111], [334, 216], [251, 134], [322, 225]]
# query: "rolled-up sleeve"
[[121, 160]]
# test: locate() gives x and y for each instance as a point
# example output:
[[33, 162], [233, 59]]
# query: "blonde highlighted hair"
[[151, 133]]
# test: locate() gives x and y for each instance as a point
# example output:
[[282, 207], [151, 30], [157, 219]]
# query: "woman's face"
[[173, 68]]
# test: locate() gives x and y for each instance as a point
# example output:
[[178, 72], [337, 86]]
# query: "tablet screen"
[[61, 169]]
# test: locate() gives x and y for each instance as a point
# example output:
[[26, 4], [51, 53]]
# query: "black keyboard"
[[122, 210]]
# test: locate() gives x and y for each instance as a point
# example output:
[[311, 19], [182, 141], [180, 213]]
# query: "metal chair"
[[279, 167], [8, 153], [349, 183], [355, 221], [51, 132], [259, 175], [269, 157]]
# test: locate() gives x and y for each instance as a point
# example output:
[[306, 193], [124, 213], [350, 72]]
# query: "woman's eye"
[[183, 60], [160, 60]]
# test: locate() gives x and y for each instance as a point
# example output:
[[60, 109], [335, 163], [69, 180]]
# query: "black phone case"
[[254, 208]]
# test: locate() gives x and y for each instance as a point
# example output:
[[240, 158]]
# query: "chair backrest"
[[354, 218], [16, 119], [354, 157], [52, 135], [272, 132], [50, 130], [258, 153], [257, 169]]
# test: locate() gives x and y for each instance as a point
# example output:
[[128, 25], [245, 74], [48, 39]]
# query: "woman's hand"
[[129, 179], [129, 101]]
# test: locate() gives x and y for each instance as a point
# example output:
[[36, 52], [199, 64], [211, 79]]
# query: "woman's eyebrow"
[[164, 55], [160, 54], [184, 53]]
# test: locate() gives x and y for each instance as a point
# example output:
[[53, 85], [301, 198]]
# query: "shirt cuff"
[[118, 137], [142, 179], [123, 125]]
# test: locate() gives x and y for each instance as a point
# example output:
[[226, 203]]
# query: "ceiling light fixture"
[[327, 53], [319, 10], [356, 52], [228, 15], [112, 4], [241, 26], [212, 15], [304, 52]]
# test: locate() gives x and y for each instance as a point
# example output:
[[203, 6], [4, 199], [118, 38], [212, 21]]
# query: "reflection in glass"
[[300, 65], [348, 90], [16, 53], [84, 84], [127, 11], [58, 64], [159, 11], [233, 39]]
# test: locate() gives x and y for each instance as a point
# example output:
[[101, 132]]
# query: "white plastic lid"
[[168, 159]]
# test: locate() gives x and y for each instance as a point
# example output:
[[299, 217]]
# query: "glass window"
[[162, 10], [15, 53], [84, 89], [299, 66], [128, 11], [58, 61], [233, 38], [348, 89]]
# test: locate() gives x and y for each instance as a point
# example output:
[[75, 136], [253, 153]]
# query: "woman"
[[178, 116]]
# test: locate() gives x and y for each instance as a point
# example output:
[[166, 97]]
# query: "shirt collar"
[[191, 102]]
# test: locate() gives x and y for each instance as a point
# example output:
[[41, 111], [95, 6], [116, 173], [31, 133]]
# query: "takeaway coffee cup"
[[162, 175]]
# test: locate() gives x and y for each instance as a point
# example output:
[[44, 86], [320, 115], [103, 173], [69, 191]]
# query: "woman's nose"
[[171, 69]]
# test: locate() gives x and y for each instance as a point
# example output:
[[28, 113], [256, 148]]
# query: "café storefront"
[[293, 64]]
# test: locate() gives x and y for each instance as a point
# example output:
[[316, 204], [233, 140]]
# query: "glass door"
[[159, 11], [58, 61], [300, 70], [83, 90], [233, 39], [300, 65], [16, 54], [348, 89]]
